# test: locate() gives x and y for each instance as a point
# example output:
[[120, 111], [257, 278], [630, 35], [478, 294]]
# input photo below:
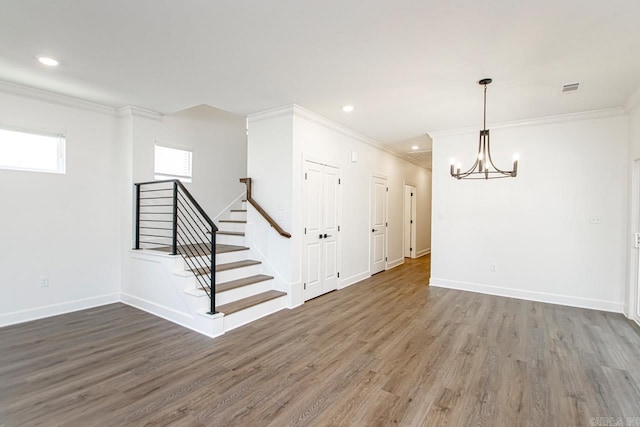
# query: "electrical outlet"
[[595, 220], [492, 268], [44, 282]]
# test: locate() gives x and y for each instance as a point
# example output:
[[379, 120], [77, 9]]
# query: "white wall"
[[537, 227], [279, 141], [218, 140], [61, 226], [269, 164]]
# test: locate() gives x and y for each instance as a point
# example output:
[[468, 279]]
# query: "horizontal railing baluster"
[[187, 231]]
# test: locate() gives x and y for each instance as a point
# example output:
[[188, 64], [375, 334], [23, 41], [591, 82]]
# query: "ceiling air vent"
[[570, 87]]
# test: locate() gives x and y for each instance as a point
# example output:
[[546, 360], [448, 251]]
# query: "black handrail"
[[186, 193], [188, 228]]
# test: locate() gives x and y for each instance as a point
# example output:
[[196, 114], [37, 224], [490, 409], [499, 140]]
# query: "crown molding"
[[139, 112], [54, 98], [296, 110], [587, 115], [323, 121], [272, 113]]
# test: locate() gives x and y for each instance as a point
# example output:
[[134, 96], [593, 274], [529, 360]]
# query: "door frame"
[[386, 215], [414, 210], [323, 162], [632, 303]]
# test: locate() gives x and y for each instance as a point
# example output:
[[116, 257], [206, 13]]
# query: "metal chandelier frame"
[[481, 169]]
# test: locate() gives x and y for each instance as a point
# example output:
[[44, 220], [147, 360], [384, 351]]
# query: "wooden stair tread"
[[225, 267], [231, 233], [244, 303], [235, 221], [202, 249], [199, 248], [233, 284], [222, 248], [236, 264]]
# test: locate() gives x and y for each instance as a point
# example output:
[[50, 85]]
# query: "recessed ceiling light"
[[415, 147], [48, 61], [347, 108]]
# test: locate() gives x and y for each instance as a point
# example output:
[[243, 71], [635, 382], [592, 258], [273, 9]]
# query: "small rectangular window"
[[24, 151], [172, 163]]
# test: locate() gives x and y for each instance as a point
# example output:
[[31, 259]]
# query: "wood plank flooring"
[[386, 351]]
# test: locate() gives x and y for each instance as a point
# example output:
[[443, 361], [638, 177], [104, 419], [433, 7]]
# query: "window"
[[172, 163], [31, 151]]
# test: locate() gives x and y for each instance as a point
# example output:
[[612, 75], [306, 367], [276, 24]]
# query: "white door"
[[379, 224], [409, 221], [312, 258], [321, 213]]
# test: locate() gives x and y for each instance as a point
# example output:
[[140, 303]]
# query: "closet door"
[[321, 239]]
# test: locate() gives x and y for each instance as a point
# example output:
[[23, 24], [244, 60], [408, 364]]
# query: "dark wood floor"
[[389, 350]]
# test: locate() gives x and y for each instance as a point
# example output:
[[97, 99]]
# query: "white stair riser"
[[237, 273], [221, 276], [238, 216], [250, 314], [230, 240], [192, 283], [244, 205], [243, 292], [232, 226], [232, 256], [202, 304]]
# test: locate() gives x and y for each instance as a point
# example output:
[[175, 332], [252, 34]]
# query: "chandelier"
[[483, 168]]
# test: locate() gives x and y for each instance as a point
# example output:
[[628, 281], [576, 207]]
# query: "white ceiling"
[[408, 66]]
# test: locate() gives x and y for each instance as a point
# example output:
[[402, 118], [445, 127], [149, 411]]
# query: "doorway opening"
[[410, 221]]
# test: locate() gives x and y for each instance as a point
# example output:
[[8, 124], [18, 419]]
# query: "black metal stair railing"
[[169, 219]]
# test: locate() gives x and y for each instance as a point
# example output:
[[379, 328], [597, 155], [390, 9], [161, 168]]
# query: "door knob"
[[327, 235], [320, 236], [373, 230]]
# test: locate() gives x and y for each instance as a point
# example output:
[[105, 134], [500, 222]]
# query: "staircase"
[[243, 291]]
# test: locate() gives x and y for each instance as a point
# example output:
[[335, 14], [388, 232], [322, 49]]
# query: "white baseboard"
[[632, 318], [174, 316], [348, 281], [571, 301], [27, 315], [394, 264], [423, 252]]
